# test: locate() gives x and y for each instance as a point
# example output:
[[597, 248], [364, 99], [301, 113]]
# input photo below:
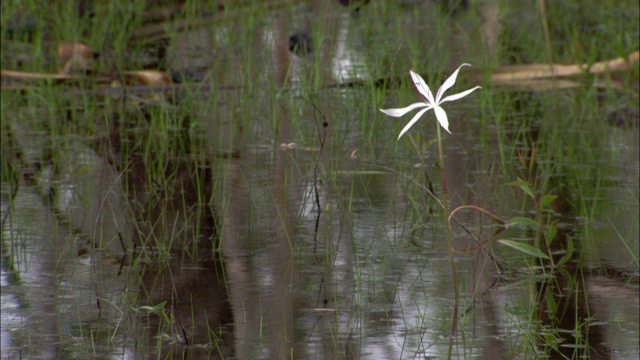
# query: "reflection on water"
[[109, 252]]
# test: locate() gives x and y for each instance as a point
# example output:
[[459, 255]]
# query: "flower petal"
[[422, 87], [413, 121], [441, 115], [401, 111], [448, 83], [459, 96]]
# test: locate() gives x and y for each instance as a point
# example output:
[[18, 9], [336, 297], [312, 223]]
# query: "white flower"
[[428, 102]]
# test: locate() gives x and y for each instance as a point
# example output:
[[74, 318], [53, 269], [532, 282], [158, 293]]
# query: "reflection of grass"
[[572, 140]]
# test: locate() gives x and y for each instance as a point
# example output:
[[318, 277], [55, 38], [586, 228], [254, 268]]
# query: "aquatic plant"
[[429, 102]]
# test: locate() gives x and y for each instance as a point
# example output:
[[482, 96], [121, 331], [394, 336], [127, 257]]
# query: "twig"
[[321, 138]]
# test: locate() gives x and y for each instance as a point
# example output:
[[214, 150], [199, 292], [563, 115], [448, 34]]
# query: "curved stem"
[[445, 203]]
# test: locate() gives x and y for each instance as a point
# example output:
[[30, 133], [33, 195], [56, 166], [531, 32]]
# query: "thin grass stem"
[[443, 181]]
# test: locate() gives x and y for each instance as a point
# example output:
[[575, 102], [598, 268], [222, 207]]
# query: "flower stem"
[[445, 204]]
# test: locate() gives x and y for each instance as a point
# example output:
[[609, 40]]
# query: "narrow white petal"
[[401, 111], [448, 83], [413, 121], [441, 115], [422, 87], [459, 96]]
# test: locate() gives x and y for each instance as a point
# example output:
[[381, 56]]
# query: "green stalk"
[[445, 204]]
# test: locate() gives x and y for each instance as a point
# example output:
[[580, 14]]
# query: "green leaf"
[[518, 182], [569, 253], [546, 200], [521, 221], [523, 185], [154, 309], [525, 248], [552, 230]]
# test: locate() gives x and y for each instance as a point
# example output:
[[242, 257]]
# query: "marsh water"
[[261, 207]]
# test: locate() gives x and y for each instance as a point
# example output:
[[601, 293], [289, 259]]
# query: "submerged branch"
[[536, 77]]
